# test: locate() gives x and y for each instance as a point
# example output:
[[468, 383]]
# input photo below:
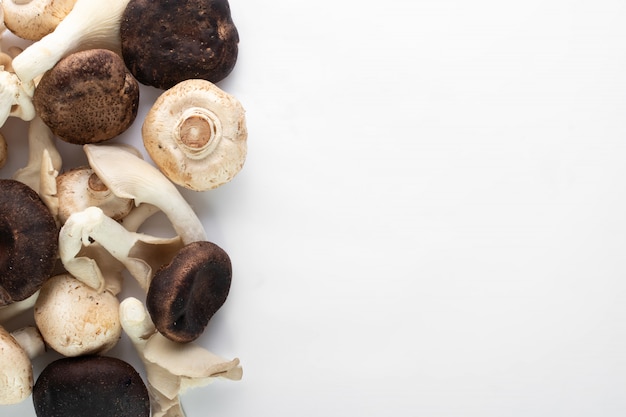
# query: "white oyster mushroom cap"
[[129, 176], [14, 99], [74, 319], [16, 371], [91, 24], [33, 19], [196, 134]]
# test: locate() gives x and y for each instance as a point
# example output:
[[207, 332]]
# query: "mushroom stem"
[[91, 24], [129, 176], [29, 338], [40, 140]]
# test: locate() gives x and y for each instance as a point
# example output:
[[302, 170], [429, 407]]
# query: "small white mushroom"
[[15, 98], [129, 176], [91, 24], [40, 141], [33, 19], [75, 319], [196, 134], [141, 254], [16, 371], [80, 188], [171, 367]]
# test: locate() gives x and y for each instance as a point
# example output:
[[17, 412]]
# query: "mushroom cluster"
[[71, 235]]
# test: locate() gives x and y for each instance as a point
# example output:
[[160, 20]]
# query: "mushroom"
[[40, 141], [4, 150], [91, 24], [138, 252], [196, 134], [28, 241], [97, 386], [10, 311], [80, 188], [129, 176], [33, 19], [165, 42], [186, 293], [74, 319], [15, 98], [87, 97], [16, 371], [171, 367]]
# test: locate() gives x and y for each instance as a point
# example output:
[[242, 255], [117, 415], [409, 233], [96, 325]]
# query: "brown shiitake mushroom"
[[165, 42], [87, 97], [186, 293], [95, 386], [28, 242]]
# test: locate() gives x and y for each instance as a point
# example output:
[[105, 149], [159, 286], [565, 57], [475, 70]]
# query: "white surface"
[[431, 220]]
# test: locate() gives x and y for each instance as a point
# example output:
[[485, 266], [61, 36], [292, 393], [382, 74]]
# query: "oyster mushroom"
[[80, 188], [187, 292], [16, 371], [89, 25], [34, 19], [75, 319], [28, 242], [165, 42], [129, 176], [138, 252], [97, 386], [15, 98], [171, 367], [87, 97], [196, 134]]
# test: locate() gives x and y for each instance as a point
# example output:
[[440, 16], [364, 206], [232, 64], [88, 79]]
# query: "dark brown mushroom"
[[87, 97], [28, 242], [94, 386], [165, 42], [186, 293]]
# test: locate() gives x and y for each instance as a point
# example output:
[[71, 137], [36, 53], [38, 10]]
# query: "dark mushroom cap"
[[94, 386], [87, 97], [186, 293], [165, 42], [28, 241]]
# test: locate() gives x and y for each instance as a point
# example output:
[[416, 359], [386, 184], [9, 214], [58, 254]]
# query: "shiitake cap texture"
[[165, 42], [87, 97], [28, 242], [187, 292], [94, 386]]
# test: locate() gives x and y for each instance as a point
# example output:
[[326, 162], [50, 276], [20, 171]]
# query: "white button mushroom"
[[75, 319], [16, 371], [196, 134]]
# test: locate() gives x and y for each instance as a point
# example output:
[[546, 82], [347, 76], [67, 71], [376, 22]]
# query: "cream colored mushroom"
[[75, 319], [141, 254], [16, 371], [80, 188], [196, 134], [129, 176], [15, 98], [90, 24], [34, 19], [171, 368], [40, 141]]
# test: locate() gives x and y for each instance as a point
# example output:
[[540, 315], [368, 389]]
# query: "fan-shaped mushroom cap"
[[95, 386], [196, 134], [28, 241], [87, 97], [186, 293], [165, 42]]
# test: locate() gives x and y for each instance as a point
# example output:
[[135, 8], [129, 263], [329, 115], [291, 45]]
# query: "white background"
[[431, 220]]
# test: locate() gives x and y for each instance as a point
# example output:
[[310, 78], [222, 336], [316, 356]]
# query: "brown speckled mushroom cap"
[[167, 41], [94, 386], [28, 241], [186, 293], [87, 97]]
